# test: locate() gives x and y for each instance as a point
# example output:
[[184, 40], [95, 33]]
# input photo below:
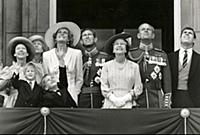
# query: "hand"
[[116, 101], [6, 74]]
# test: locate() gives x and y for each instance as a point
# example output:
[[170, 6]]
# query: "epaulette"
[[160, 50], [103, 53], [133, 49]]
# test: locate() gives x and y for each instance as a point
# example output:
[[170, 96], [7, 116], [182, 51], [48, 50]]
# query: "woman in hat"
[[60, 38], [40, 47], [21, 50], [120, 77]]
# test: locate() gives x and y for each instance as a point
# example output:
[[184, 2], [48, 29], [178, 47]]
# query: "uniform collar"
[[144, 47], [92, 52]]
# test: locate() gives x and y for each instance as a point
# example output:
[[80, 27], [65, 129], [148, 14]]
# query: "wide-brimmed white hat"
[[74, 29], [17, 40]]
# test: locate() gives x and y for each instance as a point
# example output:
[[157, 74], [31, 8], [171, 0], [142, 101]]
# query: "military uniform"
[[90, 96], [155, 75]]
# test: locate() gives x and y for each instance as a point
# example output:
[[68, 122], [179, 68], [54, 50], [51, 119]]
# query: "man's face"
[[21, 51], [50, 82], [146, 32], [88, 38], [38, 46], [62, 35], [187, 36], [30, 73], [119, 46]]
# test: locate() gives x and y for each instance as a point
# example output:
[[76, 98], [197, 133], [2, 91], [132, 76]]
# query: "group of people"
[[54, 72]]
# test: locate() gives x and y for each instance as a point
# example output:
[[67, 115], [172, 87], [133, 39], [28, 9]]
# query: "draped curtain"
[[98, 121]]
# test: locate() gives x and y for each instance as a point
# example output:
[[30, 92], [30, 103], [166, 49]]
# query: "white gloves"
[[120, 101]]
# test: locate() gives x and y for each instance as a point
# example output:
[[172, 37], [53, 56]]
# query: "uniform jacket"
[[194, 75], [157, 74], [74, 64]]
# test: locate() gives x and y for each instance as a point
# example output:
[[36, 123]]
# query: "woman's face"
[[62, 36], [119, 46], [21, 51], [38, 46]]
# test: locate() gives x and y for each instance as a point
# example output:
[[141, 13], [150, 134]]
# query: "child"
[[29, 92], [56, 94]]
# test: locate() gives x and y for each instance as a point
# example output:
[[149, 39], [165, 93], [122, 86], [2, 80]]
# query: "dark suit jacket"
[[52, 99], [26, 96], [194, 75]]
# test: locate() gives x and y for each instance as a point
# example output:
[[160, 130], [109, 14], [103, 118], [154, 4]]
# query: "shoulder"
[[50, 52], [75, 51], [133, 64], [102, 55], [160, 52], [135, 54]]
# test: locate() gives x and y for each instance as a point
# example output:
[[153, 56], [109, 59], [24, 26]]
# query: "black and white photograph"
[[99, 66]]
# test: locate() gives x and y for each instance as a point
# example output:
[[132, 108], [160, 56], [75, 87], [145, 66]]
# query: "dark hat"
[[74, 29], [109, 43], [17, 40]]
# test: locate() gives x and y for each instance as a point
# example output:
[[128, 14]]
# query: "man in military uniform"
[[93, 60], [154, 70]]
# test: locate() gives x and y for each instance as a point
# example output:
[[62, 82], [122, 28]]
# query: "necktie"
[[185, 59], [30, 83]]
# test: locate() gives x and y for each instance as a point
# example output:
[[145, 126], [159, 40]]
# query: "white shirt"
[[32, 83], [182, 53]]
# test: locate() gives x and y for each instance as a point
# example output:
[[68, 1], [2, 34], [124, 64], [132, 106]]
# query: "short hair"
[[92, 30], [70, 36], [30, 64], [112, 46], [43, 83], [147, 24], [189, 28]]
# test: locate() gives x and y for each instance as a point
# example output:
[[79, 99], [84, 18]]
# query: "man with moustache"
[[93, 59], [185, 65], [154, 70]]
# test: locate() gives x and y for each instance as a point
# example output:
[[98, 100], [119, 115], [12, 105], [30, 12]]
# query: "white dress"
[[74, 64], [119, 80]]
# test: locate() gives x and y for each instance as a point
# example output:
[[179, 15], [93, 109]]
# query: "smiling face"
[[88, 38], [119, 46], [21, 51], [30, 73]]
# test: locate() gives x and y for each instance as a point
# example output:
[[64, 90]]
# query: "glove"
[[126, 98], [116, 101], [167, 100]]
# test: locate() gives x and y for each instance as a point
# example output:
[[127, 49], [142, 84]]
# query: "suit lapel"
[[194, 63]]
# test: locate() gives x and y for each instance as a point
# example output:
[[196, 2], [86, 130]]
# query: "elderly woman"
[[21, 50], [40, 47], [60, 38], [120, 78]]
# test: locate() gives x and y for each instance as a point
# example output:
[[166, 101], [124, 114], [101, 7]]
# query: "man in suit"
[[185, 65]]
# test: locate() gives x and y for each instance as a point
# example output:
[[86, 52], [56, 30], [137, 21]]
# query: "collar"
[[144, 47], [182, 50], [92, 52]]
